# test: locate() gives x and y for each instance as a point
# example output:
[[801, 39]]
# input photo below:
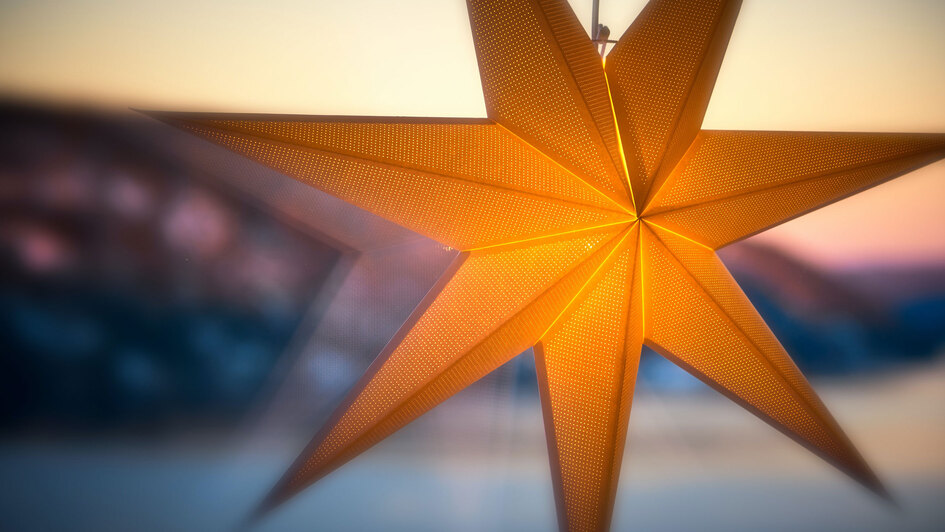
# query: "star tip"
[[260, 511], [878, 488], [247, 524], [161, 116], [168, 117], [281, 492], [147, 112]]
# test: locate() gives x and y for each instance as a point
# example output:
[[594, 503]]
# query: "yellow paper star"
[[587, 206]]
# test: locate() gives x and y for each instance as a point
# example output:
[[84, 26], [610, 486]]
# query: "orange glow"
[[684, 237], [607, 262], [556, 235], [529, 194], [623, 156]]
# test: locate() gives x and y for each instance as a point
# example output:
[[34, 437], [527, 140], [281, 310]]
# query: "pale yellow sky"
[[858, 65]]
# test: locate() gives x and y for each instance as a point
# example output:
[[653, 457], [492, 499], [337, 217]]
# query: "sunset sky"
[[857, 65]]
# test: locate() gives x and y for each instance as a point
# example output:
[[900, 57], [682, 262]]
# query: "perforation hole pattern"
[[485, 291], [633, 344], [527, 88], [585, 367], [720, 222], [712, 276], [651, 72], [700, 333], [423, 203], [731, 162], [478, 152], [585, 65]]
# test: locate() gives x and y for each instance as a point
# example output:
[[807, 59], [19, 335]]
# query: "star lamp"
[[587, 207]]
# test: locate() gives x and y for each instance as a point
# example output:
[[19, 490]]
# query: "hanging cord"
[[600, 34]]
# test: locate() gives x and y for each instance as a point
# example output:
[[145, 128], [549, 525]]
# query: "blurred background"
[[176, 322]]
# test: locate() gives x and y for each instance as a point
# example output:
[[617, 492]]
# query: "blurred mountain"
[[837, 322], [136, 289]]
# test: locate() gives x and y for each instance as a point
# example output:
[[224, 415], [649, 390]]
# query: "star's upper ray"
[[661, 74], [587, 366], [420, 173], [698, 317], [484, 313], [733, 184], [542, 79]]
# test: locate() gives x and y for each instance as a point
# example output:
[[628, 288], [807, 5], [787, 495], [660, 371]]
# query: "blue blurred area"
[[844, 325], [136, 293]]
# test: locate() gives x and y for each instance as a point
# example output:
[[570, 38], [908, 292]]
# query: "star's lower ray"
[[587, 208]]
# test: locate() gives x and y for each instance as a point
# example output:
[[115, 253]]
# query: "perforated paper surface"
[[588, 206]]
